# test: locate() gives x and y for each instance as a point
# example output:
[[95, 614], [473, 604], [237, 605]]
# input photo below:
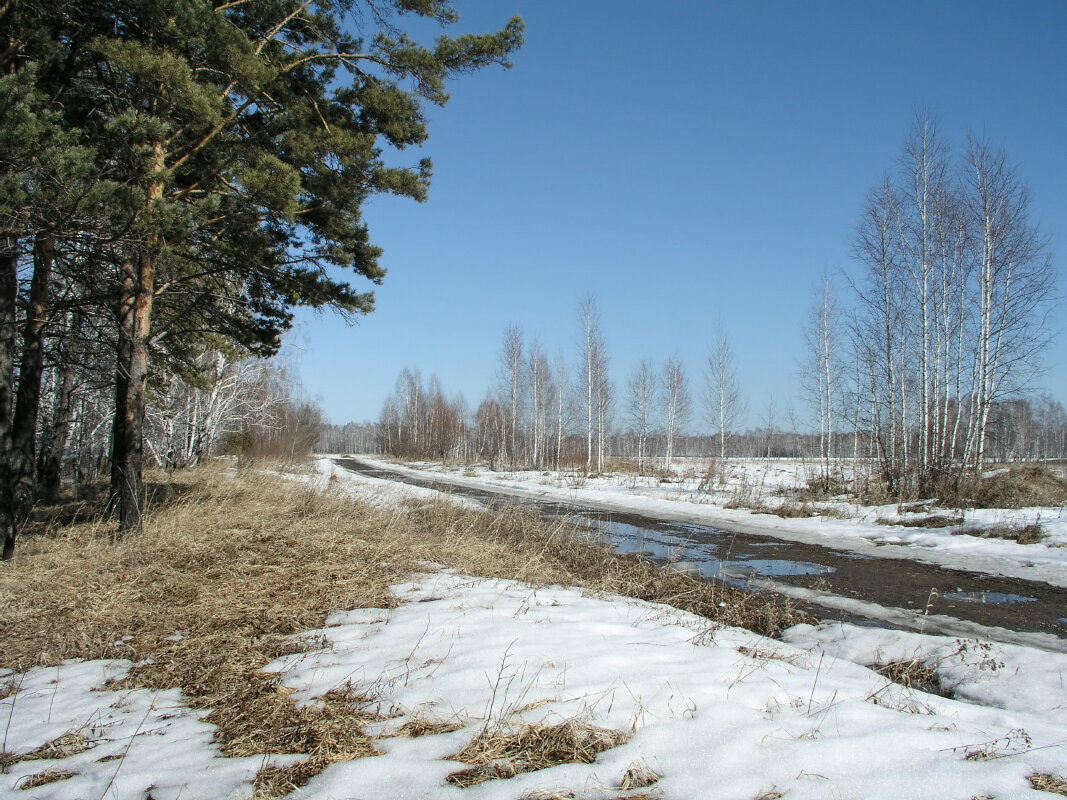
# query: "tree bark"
[[28, 402], [8, 298], [127, 467], [50, 459]]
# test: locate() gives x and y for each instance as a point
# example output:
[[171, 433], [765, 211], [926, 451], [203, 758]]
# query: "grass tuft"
[[1021, 487], [1030, 533], [1046, 782], [639, 775], [913, 674], [922, 521], [422, 726], [509, 749], [69, 744], [44, 778]]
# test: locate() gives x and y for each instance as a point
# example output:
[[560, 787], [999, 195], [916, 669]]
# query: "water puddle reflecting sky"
[[997, 598]]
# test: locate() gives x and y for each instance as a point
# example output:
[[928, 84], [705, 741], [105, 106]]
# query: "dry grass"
[[913, 674], [1026, 533], [69, 744], [240, 566], [638, 775], [507, 750], [421, 726], [44, 778], [923, 521], [1045, 782], [1021, 487]]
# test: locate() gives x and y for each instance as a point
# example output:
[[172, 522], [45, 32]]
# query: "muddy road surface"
[[832, 583]]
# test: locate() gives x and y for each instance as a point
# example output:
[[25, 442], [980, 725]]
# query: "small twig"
[[137, 731], [815, 683]]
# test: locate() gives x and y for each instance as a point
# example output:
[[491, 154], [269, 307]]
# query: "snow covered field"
[[694, 710]]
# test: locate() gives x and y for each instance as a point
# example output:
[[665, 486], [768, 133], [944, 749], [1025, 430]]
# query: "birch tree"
[[512, 369], [822, 373], [541, 392], [676, 405], [1015, 286], [593, 382], [642, 405], [724, 400]]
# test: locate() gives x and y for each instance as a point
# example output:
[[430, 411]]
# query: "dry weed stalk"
[[638, 775]]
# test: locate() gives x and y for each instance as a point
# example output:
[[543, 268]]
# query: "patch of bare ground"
[[227, 570]]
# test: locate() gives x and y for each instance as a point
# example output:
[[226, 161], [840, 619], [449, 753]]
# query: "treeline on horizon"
[[922, 365]]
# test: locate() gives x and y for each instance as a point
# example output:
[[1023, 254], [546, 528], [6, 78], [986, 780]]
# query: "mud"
[[746, 561]]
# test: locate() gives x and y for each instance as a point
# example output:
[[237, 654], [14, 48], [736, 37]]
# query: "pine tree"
[[236, 145]]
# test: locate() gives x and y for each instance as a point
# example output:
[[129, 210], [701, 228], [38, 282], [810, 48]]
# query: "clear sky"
[[684, 162]]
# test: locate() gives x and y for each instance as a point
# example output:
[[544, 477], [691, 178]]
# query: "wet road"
[[816, 576]]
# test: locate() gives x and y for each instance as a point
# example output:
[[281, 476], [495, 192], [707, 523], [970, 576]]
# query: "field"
[[271, 631]]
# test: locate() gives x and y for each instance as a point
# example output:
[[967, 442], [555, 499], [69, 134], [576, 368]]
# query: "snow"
[[851, 528], [714, 711], [140, 742]]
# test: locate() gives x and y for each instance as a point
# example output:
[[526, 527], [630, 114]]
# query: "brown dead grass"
[[1029, 533], [421, 726], [1046, 782], [227, 571], [506, 750], [69, 744], [922, 521], [639, 775], [913, 674], [1021, 487], [44, 778]]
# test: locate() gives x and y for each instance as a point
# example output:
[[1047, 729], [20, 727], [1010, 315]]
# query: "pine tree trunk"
[[8, 299], [28, 402], [127, 462], [53, 446], [127, 467]]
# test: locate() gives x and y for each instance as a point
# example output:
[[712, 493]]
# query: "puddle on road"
[[997, 598], [695, 549], [742, 560], [780, 567]]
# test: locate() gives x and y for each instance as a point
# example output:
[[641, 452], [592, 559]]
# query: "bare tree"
[[541, 391], [1015, 285], [676, 405], [593, 381], [512, 361], [822, 370], [562, 405], [725, 403], [641, 406], [953, 306]]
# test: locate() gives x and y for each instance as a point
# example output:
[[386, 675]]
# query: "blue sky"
[[685, 162]]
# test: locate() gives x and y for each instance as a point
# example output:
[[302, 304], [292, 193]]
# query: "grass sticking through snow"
[[44, 778], [1027, 533], [507, 750], [1045, 782], [228, 570]]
